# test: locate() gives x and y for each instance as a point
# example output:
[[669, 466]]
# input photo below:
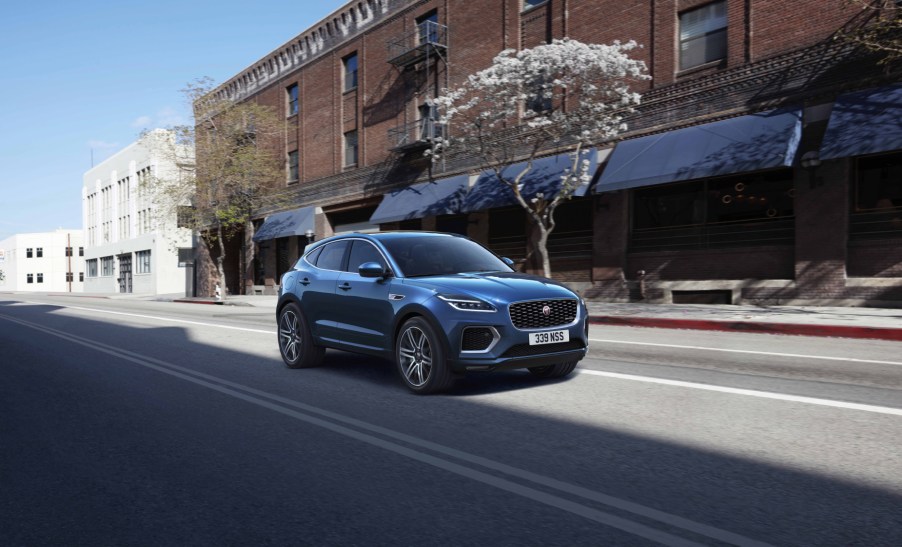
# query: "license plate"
[[550, 337]]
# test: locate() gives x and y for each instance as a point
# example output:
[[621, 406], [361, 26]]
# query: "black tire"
[[420, 358], [295, 341], [554, 371]]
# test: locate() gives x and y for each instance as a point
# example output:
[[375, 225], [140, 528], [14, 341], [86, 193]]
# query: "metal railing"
[[415, 134], [728, 234], [426, 39], [876, 224]]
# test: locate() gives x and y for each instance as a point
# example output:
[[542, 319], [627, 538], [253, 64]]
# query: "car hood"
[[497, 287]]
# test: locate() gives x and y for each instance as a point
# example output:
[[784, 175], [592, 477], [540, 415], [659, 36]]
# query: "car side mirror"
[[507, 261], [371, 269]]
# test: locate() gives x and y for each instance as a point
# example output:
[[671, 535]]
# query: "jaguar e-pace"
[[438, 305]]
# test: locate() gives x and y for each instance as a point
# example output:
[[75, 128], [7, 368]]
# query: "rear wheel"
[[420, 358], [554, 371], [295, 341]]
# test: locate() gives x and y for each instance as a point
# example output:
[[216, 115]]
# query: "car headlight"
[[466, 303]]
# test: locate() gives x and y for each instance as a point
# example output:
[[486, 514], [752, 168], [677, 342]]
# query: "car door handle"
[[305, 281], [345, 287]]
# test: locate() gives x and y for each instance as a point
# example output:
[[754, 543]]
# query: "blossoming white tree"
[[531, 102]]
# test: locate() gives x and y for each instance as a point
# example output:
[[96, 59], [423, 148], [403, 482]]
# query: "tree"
[[530, 102], [880, 30], [236, 169]]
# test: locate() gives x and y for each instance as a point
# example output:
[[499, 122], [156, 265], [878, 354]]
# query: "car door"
[[317, 289], [364, 311]]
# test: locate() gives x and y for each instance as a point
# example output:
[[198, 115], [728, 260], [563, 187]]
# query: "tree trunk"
[[220, 269], [542, 248], [247, 269]]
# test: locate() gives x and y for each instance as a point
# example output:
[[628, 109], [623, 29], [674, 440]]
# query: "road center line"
[[279, 404], [750, 352], [748, 392]]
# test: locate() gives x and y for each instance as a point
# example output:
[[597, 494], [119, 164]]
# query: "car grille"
[[531, 315], [476, 339], [525, 350]]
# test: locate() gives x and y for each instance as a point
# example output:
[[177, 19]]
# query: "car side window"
[[311, 258], [332, 255], [362, 252]]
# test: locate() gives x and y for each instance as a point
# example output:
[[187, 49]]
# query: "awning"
[[738, 145], [289, 223], [441, 197], [545, 177], [866, 122]]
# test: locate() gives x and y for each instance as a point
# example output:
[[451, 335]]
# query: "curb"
[[833, 331], [189, 301]]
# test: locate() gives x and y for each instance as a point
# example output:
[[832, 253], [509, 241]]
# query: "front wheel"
[[554, 371], [295, 341], [420, 358]]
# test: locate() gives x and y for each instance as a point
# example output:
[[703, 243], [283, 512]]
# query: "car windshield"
[[438, 255]]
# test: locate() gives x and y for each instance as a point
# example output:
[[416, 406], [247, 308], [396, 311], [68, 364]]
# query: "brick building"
[[764, 165]]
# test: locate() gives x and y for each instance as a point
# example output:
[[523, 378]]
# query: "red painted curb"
[[834, 331]]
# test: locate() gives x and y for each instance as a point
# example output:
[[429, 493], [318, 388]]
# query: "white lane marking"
[[626, 525], [749, 392], [166, 319], [751, 352]]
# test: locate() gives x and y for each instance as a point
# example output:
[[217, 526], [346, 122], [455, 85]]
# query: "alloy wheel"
[[415, 355]]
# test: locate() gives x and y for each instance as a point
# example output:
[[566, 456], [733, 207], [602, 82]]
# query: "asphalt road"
[[125, 422]]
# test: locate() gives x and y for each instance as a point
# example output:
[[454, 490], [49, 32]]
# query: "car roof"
[[387, 236]]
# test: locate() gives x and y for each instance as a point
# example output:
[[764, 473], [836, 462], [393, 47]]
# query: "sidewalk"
[[870, 323]]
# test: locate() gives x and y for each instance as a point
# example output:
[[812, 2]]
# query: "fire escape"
[[420, 50]]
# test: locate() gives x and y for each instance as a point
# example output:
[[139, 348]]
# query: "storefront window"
[[877, 198], [734, 211]]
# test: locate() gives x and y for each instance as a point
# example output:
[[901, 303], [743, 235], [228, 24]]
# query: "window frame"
[[29, 278], [143, 263], [293, 172], [705, 37], [349, 81], [346, 155], [292, 94], [29, 252]]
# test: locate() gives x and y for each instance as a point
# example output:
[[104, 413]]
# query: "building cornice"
[[328, 34]]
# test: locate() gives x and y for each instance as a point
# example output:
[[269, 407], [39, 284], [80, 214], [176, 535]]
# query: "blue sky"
[[90, 75]]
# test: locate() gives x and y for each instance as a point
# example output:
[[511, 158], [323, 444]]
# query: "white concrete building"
[[133, 243], [43, 262]]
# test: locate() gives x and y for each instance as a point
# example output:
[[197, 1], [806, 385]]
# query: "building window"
[[29, 278], [92, 267], [81, 251], [69, 277], [877, 198], [529, 4], [40, 278], [29, 253], [39, 252], [703, 35], [293, 166], [106, 266], [143, 259], [749, 210], [68, 251], [292, 94], [81, 276], [350, 149], [428, 28], [350, 64]]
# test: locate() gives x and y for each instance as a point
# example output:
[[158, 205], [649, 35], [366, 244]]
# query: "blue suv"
[[439, 305]]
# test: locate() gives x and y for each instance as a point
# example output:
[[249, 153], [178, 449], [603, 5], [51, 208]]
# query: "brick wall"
[[879, 258]]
